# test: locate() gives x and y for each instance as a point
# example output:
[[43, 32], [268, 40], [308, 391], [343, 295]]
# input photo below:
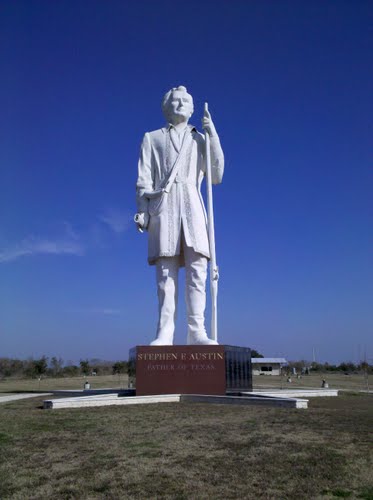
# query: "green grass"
[[187, 451]]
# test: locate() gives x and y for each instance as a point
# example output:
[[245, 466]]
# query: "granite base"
[[189, 369]]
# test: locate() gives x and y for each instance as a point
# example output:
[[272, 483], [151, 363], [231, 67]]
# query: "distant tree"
[[365, 367], [347, 367], [298, 365], [316, 367], [256, 354], [55, 366], [101, 367], [11, 367], [28, 368], [5, 367], [331, 368], [70, 371], [17, 367], [120, 367], [39, 366], [85, 367]]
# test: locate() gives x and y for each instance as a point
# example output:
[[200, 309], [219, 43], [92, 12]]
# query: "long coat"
[[182, 209]]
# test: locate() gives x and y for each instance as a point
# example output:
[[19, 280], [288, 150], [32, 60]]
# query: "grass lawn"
[[353, 382], [47, 384], [187, 451]]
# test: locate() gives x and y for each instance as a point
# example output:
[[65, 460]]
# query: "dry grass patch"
[[353, 382], [67, 383], [187, 451]]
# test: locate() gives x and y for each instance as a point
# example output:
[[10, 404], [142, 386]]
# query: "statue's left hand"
[[208, 124]]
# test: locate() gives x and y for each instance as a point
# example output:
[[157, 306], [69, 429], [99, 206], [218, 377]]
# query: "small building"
[[267, 366]]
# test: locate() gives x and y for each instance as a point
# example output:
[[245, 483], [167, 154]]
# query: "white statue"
[[170, 207]]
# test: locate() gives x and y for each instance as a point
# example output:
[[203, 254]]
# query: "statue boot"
[[162, 341], [200, 339]]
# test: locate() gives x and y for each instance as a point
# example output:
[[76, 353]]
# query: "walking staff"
[[214, 270]]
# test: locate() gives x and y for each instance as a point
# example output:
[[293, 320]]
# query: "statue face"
[[180, 106]]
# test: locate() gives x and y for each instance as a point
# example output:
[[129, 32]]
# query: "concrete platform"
[[115, 399], [15, 397], [295, 393], [248, 400], [108, 400], [92, 392]]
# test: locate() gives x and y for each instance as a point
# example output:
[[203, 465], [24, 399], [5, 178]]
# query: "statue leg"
[[195, 296], [167, 270]]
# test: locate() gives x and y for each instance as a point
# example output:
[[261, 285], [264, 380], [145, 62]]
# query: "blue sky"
[[289, 88]]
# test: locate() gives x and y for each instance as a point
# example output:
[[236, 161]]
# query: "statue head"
[[177, 105]]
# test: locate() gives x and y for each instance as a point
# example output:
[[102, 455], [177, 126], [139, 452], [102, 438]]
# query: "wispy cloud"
[[108, 311], [68, 241], [70, 232], [104, 311], [117, 220], [34, 245]]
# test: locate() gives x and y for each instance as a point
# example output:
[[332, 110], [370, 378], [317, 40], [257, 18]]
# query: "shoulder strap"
[[173, 172], [175, 168]]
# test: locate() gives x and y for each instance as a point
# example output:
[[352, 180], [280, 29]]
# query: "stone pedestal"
[[189, 369]]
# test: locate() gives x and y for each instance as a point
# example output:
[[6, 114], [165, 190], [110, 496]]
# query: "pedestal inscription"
[[181, 369]]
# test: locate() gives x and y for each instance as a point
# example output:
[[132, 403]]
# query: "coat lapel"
[[188, 133], [173, 140]]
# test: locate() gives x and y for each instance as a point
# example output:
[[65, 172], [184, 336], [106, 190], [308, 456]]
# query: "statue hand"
[[142, 221], [208, 124]]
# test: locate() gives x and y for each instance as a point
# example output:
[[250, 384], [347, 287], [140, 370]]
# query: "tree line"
[[56, 367], [344, 367]]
